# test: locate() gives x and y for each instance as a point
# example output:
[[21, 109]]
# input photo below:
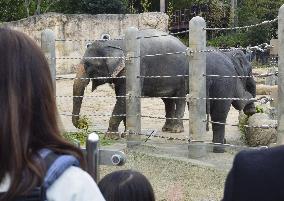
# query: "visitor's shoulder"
[[252, 158], [74, 182]]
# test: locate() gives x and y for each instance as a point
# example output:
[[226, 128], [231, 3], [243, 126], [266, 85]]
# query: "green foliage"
[[84, 130], [11, 10], [259, 109], [105, 6], [170, 11], [253, 12], [230, 40], [146, 5], [243, 120]]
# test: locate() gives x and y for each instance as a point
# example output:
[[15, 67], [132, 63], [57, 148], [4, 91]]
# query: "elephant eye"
[[88, 45], [87, 64]]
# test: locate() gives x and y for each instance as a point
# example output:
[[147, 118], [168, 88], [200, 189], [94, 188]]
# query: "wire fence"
[[187, 52]]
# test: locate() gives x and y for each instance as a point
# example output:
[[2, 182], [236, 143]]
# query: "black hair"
[[126, 185]]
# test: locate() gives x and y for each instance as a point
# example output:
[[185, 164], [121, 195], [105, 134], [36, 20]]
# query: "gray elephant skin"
[[231, 63]]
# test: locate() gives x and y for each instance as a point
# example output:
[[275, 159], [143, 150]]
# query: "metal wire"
[[243, 27], [192, 141], [244, 76], [66, 58], [213, 122], [237, 125], [162, 54], [94, 78], [170, 76], [91, 96], [160, 76], [86, 40], [262, 99], [213, 29], [93, 115]]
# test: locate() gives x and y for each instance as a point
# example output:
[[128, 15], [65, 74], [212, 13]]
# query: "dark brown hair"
[[126, 185], [28, 113]]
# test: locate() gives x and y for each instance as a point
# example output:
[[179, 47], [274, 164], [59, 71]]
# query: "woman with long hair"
[[29, 129]]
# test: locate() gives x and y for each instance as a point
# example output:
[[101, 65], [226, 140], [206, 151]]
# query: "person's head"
[[28, 113], [126, 185]]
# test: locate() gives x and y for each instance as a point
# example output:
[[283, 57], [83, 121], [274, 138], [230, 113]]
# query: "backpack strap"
[[55, 165]]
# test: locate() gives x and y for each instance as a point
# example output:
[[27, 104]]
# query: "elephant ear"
[[116, 66], [120, 68], [238, 61]]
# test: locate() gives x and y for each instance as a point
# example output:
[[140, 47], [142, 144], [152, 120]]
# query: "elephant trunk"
[[80, 83]]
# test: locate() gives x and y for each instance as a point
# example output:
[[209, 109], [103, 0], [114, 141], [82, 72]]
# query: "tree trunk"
[[38, 2], [27, 5]]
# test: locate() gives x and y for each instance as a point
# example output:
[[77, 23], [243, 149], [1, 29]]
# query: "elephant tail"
[[207, 110], [207, 122]]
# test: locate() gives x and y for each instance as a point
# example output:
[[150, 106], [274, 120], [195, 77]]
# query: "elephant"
[[231, 63], [165, 65], [235, 64]]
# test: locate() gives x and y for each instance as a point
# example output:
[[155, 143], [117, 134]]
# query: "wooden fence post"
[[133, 88], [280, 127], [197, 85]]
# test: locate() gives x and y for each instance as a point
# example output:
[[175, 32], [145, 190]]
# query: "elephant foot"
[[219, 148], [168, 126], [178, 128], [112, 135], [173, 127], [249, 109]]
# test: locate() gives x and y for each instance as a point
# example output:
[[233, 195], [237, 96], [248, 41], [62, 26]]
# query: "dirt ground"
[[173, 174], [98, 109]]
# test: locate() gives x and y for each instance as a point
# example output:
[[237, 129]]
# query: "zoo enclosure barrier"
[[196, 50]]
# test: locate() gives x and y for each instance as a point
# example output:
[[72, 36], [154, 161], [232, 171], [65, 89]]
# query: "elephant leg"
[[119, 109], [246, 105], [180, 107], [218, 113], [170, 113]]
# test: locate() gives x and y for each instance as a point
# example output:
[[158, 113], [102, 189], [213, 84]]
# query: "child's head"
[[126, 185]]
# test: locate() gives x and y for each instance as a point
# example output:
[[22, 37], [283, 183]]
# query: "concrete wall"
[[82, 28]]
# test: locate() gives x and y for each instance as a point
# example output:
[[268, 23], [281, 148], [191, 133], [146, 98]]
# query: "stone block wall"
[[77, 29]]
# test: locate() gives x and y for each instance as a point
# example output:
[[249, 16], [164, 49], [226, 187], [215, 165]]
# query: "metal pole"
[[162, 6], [92, 148], [197, 83], [133, 88], [48, 48], [280, 127]]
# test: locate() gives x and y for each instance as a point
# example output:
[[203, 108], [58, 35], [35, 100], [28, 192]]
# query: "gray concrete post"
[[92, 155], [197, 83], [162, 6], [133, 88], [280, 127], [48, 48]]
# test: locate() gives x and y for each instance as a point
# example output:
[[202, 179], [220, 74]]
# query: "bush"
[[231, 40]]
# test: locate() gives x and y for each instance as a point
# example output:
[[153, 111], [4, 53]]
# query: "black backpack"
[[55, 165]]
